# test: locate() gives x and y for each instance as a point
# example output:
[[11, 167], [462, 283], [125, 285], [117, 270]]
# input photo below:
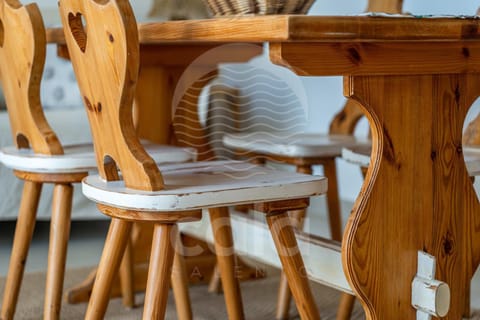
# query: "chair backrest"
[[345, 121], [388, 6], [471, 135], [102, 40], [22, 58]]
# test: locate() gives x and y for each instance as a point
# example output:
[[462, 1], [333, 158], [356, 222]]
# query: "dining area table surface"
[[415, 78]]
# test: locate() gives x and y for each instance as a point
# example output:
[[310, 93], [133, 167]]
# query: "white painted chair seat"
[[290, 144], [207, 184], [81, 158], [360, 155]]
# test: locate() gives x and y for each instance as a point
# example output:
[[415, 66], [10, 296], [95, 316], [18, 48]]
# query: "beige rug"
[[259, 299]]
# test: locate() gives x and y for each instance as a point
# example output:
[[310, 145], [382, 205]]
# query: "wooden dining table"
[[416, 78]]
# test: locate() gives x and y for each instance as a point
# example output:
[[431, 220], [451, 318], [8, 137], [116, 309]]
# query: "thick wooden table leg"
[[220, 219], [159, 272], [57, 252], [284, 238], [117, 237], [416, 196], [21, 242]]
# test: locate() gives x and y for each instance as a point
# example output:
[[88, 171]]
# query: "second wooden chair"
[[106, 60]]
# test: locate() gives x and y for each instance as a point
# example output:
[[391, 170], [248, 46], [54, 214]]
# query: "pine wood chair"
[[38, 157], [105, 57]]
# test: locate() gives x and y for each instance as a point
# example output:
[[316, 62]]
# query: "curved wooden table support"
[[417, 195]]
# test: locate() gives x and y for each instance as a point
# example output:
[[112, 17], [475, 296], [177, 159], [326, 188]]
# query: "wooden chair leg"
[[180, 283], [126, 277], [159, 271], [284, 299], [215, 284], [284, 295], [220, 220], [117, 237], [345, 307], [21, 243], [330, 170], [57, 251], [284, 238]]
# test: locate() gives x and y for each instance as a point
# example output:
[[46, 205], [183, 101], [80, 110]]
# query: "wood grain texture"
[[113, 251], [389, 6], [126, 276], [314, 28], [284, 295], [282, 28], [21, 243], [345, 121], [224, 249], [109, 47], [57, 250], [51, 177], [22, 58], [281, 206], [345, 307], [284, 238], [416, 196], [143, 216], [179, 279], [160, 270], [368, 57]]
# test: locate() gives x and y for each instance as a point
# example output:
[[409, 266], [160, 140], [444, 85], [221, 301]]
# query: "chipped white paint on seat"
[[81, 158], [290, 144], [76, 158], [360, 155], [207, 184]]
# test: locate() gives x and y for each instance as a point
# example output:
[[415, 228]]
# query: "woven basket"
[[240, 7]]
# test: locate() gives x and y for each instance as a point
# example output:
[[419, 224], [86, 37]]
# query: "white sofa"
[[66, 115], [72, 127]]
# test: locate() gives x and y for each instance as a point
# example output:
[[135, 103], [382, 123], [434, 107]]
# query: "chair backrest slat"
[[22, 58], [388, 6], [102, 40]]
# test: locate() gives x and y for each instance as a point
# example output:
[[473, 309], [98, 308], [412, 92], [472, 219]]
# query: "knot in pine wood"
[[448, 244], [354, 56]]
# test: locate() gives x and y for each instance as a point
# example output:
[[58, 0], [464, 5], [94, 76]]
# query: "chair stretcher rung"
[[322, 257]]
